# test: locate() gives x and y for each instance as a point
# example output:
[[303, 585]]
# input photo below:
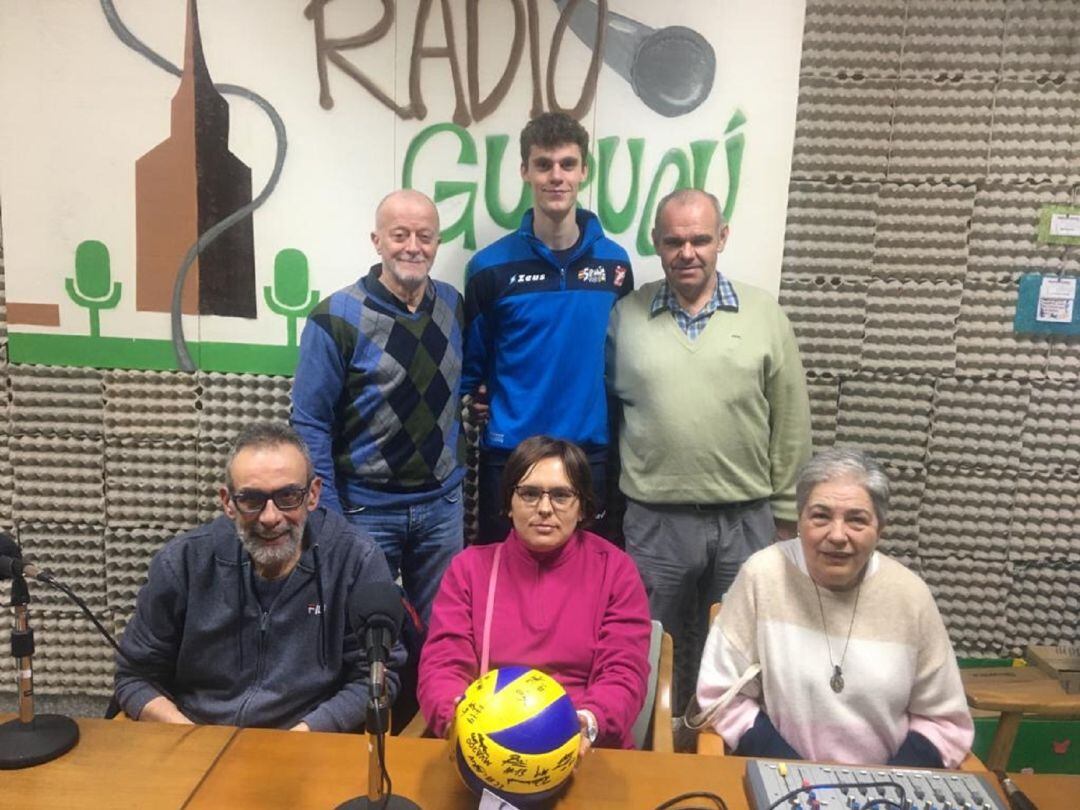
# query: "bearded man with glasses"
[[243, 621]]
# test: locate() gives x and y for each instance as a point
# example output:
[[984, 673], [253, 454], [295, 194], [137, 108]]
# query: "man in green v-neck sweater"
[[715, 424]]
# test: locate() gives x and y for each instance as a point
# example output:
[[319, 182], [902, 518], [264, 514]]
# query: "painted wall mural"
[[182, 181]]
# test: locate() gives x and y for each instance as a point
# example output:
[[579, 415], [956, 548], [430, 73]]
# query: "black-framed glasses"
[[560, 497], [253, 501]]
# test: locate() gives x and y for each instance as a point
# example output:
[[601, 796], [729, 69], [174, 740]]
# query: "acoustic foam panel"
[[966, 513], [1034, 134], [1045, 509], [151, 484], [828, 315], [922, 230], [911, 326], [978, 422], [985, 340], [1040, 40], [824, 392], [853, 37], [842, 128], [1050, 435], [958, 39], [151, 406], [888, 417], [940, 131], [830, 228], [970, 595], [58, 479], [55, 401], [73, 553]]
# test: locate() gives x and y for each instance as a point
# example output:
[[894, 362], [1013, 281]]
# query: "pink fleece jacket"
[[578, 613]]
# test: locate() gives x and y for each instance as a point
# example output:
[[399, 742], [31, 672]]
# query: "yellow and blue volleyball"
[[517, 734]]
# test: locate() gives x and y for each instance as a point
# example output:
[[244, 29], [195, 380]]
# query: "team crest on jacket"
[[592, 275], [620, 275]]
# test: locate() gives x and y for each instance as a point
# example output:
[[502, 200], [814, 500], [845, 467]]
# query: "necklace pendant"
[[837, 680]]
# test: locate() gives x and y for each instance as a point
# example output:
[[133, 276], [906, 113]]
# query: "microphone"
[[28, 740], [11, 567], [376, 607], [671, 69]]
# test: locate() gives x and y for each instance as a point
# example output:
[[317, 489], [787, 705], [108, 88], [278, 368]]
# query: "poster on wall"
[[182, 181]]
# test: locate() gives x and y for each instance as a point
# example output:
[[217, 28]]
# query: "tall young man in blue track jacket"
[[536, 306]]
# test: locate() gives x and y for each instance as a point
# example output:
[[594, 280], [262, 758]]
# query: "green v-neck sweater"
[[721, 419]]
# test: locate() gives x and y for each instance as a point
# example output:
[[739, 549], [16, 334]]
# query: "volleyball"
[[517, 734]]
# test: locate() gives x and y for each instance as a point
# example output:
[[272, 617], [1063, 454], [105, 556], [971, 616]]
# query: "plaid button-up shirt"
[[723, 297]]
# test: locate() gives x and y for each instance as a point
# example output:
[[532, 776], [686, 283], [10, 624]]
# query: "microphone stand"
[[30, 740], [377, 723]]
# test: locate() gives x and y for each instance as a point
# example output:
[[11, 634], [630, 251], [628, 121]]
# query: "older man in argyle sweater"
[[376, 399]]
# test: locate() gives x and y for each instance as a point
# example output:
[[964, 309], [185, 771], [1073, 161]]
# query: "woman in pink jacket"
[[565, 601]]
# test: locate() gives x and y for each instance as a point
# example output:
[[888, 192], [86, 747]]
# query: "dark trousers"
[[688, 557], [494, 524]]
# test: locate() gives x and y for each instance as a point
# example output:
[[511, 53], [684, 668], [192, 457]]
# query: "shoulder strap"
[[485, 652], [706, 717]]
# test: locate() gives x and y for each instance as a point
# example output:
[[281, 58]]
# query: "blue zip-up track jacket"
[[535, 334]]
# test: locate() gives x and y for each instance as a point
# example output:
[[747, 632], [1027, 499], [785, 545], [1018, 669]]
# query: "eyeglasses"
[[560, 497], [253, 501]]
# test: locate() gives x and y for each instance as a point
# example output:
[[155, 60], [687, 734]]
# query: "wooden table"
[[1015, 691], [270, 769], [119, 763], [147, 765], [1050, 790]]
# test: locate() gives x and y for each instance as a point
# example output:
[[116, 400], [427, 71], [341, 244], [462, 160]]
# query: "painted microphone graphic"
[[671, 69]]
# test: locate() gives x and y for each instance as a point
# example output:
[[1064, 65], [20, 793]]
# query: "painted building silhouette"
[[183, 186]]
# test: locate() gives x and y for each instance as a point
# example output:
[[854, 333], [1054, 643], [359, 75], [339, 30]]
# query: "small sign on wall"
[[1047, 304], [1059, 225]]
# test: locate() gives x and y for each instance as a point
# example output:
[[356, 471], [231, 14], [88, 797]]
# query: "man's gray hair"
[[845, 462], [685, 195], [266, 434]]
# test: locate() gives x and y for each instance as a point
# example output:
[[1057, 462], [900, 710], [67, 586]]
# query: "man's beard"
[[264, 555]]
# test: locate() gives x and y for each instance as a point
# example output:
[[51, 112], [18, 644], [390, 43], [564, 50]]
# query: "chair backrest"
[[641, 724]]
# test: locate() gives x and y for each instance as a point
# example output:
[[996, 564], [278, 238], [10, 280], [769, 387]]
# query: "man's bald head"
[[685, 196], [403, 198]]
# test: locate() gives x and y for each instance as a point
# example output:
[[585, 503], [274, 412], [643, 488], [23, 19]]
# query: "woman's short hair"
[[845, 462], [537, 448]]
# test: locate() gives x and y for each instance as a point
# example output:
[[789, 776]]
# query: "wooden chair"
[[652, 728], [655, 715]]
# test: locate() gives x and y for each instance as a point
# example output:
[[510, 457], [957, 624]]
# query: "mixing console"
[[837, 787]]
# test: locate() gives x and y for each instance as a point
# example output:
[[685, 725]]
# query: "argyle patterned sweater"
[[376, 395]]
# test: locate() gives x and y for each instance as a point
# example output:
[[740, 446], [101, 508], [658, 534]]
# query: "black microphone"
[[11, 567], [376, 608], [29, 739]]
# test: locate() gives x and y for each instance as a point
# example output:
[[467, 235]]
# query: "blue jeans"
[[419, 541]]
